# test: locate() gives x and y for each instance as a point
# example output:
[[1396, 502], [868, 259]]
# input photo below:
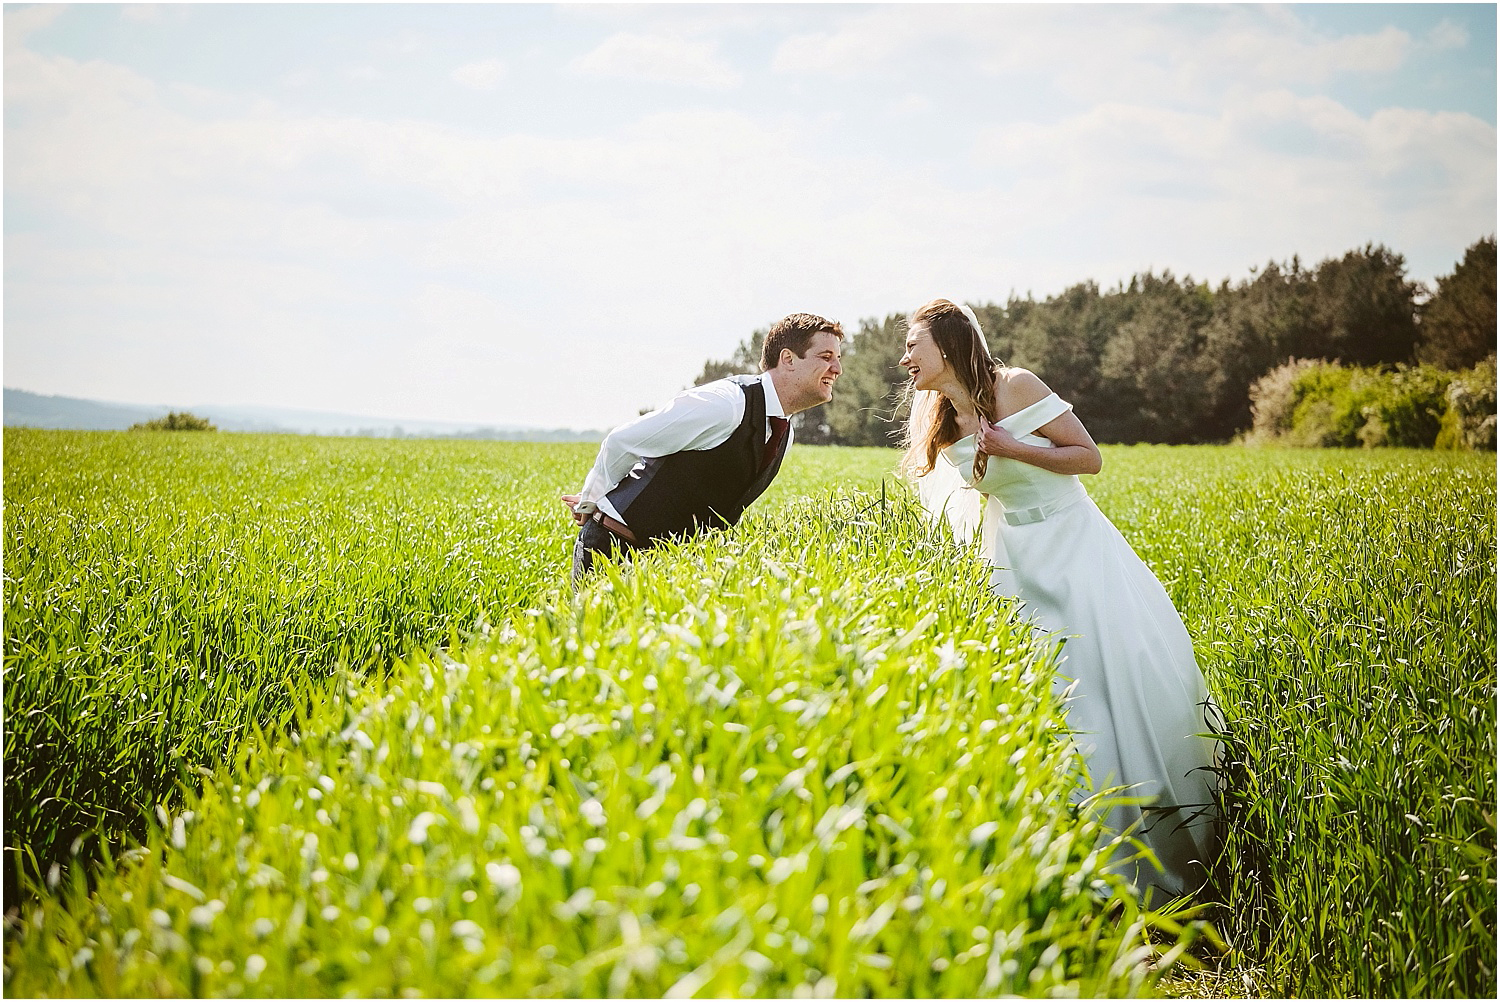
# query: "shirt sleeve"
[[699, 418]]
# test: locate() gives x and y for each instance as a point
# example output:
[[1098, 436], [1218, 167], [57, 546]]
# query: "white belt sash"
[[1026, 516]]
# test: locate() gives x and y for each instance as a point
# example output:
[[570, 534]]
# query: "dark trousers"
[[595, 540]]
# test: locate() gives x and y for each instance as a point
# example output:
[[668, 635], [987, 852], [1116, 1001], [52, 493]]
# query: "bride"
[[993, 448]]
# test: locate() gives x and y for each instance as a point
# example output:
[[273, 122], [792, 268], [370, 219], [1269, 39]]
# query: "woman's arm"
[[1073, 450]]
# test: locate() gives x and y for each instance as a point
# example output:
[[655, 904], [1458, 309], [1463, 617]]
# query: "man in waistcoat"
[[699, 461]]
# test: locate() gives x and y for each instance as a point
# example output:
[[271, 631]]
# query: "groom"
[[700, 460]]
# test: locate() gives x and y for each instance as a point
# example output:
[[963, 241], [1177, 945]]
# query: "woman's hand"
[[993, 440]]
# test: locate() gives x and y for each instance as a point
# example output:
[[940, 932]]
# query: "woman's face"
[[923, 358]]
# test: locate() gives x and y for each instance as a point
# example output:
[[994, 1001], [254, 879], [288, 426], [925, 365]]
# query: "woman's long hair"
[[933, 424]]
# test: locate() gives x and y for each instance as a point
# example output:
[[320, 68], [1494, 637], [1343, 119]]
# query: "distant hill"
[[35, 410]]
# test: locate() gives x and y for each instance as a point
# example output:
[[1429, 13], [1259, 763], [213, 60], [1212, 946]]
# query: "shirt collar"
[[773, 402]]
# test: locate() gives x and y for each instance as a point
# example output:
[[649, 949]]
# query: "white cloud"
[[659, 59], [483, 76], [21, 22], [198, 214], [232, 252], [1276, 172], [912, 104], [1267, 56], [143, 12], [299, 79], [1447, 35], [672, 240], [1097, 52]]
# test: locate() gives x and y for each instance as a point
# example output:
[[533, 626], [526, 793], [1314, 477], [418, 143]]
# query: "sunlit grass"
[[261, 618], [1343, 608], [812, 758]]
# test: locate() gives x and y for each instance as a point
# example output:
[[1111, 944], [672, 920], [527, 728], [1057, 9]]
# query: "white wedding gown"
[[1137, 698]]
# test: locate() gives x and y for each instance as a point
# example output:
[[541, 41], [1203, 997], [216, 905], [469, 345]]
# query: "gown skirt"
[[1135, 699]]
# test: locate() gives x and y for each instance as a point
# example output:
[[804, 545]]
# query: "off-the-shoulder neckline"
[[1007, 417]]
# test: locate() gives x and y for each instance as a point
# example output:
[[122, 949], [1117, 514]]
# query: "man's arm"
[[699, 418]]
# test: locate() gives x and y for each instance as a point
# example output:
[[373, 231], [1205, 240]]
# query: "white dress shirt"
[[698, 418]]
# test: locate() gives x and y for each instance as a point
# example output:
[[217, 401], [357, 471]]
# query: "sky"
[[550, 216]]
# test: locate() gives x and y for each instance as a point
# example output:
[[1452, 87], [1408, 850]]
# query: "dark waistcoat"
[[681, 494]]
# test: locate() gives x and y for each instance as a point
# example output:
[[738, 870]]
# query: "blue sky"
[[551, 215]]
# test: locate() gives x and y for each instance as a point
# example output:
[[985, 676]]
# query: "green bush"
[[175, 421], [1313, 404], [1330, 406], [1469, 421], [1273, 398], [1407, 408]]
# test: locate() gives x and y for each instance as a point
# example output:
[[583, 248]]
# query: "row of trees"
[[1173, 360]]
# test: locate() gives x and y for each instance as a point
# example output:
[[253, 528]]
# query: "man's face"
[[809, 379]]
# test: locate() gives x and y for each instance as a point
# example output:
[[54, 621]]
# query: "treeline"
[[1173, 360]]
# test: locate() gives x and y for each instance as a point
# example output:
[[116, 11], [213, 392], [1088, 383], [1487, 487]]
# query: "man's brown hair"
[[795, 332]]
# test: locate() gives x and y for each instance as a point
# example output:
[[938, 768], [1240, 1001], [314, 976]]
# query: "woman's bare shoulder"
[[1016, 388]]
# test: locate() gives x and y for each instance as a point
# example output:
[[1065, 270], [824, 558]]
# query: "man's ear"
[[786, 353]]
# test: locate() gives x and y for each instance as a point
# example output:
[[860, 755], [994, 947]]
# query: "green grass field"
[[346, 730]]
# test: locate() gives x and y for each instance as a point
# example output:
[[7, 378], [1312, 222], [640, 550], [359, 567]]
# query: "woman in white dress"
[[995, 450]]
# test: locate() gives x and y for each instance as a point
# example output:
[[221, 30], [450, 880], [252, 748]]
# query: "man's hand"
[[571, 500]]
